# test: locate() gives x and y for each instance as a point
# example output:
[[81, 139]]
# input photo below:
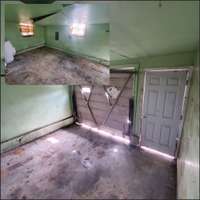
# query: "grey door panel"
[[163, 99]]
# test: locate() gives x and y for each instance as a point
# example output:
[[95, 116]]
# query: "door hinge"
[[181, 117], [187, 82]]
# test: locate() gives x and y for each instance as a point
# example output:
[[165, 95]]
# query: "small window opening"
[[78, 29], [85, 90], [27, 29]]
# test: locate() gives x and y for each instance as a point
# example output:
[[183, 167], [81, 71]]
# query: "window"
[[78, 29], [26, 29]]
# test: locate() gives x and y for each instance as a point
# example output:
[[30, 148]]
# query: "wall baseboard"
[[29, 49], [98, 60], [35, 134], [94, 59]]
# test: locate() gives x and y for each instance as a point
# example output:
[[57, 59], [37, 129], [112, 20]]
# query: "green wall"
[[188, 160], [25, 108], [95, 43], [20, 43]]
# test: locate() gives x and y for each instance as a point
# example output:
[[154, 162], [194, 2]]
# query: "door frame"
[[189, 70]]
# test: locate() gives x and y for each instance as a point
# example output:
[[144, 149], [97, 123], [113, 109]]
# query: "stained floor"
[[76, 163], [49, 66]]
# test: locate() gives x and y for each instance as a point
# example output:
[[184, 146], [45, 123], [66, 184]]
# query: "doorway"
[[108, 107], [162, 109]]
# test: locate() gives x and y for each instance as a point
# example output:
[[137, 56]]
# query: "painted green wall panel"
[[188, 160], [13, 34], [24, 108], [95, 43]]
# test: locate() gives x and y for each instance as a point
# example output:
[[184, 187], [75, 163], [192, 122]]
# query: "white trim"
[[29, 49], [52, 47], [183, 109], [170, 69], [142, 109], [99, 60], [23, 139], [125, 66]]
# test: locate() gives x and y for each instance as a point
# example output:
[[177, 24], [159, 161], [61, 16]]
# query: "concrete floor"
[[49, 66], [76, 163]]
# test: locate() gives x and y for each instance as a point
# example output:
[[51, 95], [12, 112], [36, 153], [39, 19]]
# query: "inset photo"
[[58, 43]]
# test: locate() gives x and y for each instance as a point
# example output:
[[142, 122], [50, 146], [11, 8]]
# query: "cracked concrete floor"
[[74, 163], [50, 66]]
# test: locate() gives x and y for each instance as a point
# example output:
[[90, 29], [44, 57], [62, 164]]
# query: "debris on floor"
[[86, 163], [73, 168], [49, 66]]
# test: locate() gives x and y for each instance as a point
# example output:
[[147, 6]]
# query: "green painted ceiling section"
[[89, 13], [142, 28], [94, 13], [137, 28]]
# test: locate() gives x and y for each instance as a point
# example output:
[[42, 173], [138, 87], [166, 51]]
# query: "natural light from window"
[[78, 29], [85, 90], [153, 151], [27, 29]]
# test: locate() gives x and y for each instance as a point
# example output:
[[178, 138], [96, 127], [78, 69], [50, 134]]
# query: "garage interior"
[[49, 51], [134, 138]]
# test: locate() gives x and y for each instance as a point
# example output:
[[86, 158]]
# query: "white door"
[[162, 109]]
